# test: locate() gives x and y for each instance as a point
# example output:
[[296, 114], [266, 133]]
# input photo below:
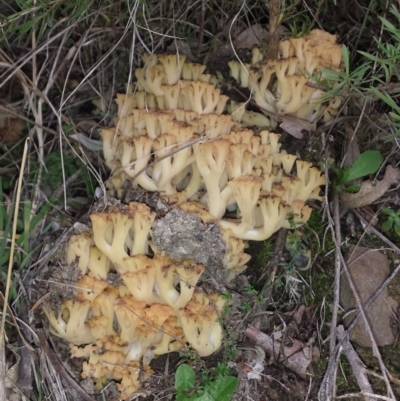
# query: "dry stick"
[[376, 232], [328, 383], [363, 314], [336, 285], [266, 291], [201, 26], [273, 41], [340, 260], [52, 78], [25, 351], [59, 368], [373, 297], [278, 251], [13, 237], [11, 260], [328, 387], [3, 368], [26, 119], [128, 182], [362, 395], [295, 358], [356, 364]]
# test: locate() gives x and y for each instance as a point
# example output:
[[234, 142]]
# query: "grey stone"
[[183, 236]]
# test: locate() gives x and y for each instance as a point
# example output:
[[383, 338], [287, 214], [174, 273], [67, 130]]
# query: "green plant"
[[250, 290], [366, 163], [230, 347], [265, 253], [388, 53], [338, 83], [25, 225], [53, 177], [295, 245], [219, 387], [392, 220], [246, 306]]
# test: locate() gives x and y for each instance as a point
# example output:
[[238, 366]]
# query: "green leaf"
[[387, 225], [346, 59], [184, 378], [397, 226], [352, 188], [223, 388], [339, 173], [184, 397], [388, 212], [366, 163], [386, 98], [206, 397]]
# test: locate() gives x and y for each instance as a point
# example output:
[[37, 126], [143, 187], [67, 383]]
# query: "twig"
[[3, 369], [373, 297], [296, 358], [363, 395], [377, 232], [273, 41], [24, 381], [59, 368], [364, 316], [13, 238], [201, 27], [276, 259], [327, 387], [270, 271], [336, 285], [356, 364]]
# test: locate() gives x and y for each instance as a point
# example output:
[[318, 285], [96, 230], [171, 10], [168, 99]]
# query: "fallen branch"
[[297, 358], [357, 366]]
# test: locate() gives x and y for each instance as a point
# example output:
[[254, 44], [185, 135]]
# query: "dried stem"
[[273, 41], [296, 358]]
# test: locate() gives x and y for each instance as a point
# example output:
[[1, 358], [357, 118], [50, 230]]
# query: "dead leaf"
[[293, 125], [353, 150], [369, 192], [369, 215], [12, 373], [292, 129], [10, 129], [251, 36]]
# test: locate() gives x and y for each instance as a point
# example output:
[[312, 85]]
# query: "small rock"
[[368, 269], [184, 236], [301, 260]]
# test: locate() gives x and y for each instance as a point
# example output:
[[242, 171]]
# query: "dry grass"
[[84, 51]]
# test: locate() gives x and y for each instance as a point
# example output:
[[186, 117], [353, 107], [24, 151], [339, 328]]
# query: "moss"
[[316, 231], [345, 380]]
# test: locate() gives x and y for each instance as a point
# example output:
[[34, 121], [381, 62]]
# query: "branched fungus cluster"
[[173, 136], [282, 86], [155, 310]]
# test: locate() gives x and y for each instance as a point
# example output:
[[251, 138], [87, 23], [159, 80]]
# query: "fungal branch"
[[156, 306]]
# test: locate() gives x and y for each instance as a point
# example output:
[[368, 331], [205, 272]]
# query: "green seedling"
[[246, 306], [392, 220], [366, 163], [219, 389], [25, 225]]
